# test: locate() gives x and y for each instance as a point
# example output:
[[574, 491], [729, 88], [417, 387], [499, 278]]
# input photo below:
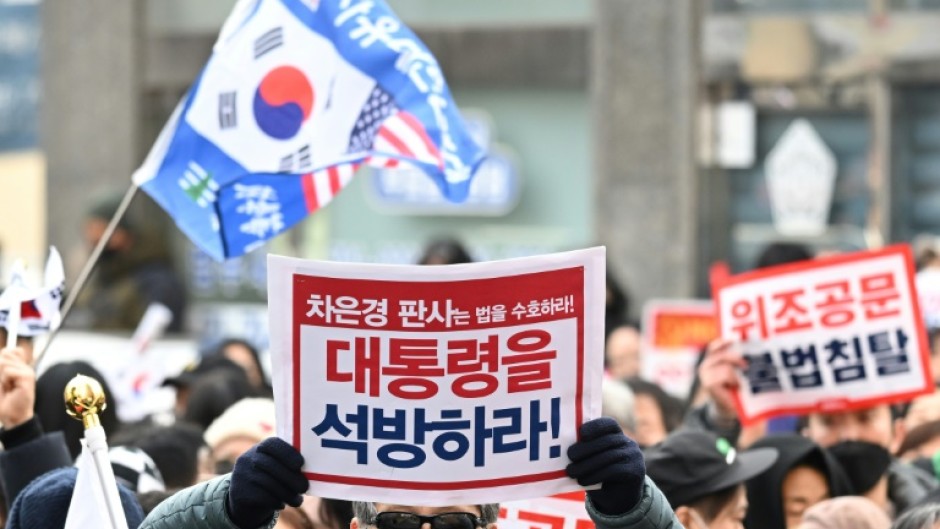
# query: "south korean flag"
[[276, 96]]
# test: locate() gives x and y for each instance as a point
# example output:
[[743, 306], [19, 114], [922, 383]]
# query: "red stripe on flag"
[[310, 193], [335, 184], [396, 142], [418, 128]]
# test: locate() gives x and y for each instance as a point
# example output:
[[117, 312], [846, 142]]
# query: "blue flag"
[[296, 96]]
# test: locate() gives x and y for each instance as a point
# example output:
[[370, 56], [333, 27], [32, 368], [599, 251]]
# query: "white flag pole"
[[84, 398], [14, 298]]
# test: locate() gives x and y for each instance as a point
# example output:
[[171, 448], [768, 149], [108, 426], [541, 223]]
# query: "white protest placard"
[[674, 333], [834, 334], [561, 511], [437, 385]]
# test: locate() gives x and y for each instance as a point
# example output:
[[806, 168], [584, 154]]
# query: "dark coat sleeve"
[[26, 457]]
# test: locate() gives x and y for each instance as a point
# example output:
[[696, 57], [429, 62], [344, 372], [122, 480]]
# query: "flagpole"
[[84, 398], [89, 266]]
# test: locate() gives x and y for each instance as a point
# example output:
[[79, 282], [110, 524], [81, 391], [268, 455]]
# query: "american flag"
[[321, 186], [383, 128]]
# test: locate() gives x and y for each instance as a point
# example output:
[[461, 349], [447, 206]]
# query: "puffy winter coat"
[[202, 506]]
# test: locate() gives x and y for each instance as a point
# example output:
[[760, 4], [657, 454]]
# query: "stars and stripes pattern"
[[321, 186], [383, 128]]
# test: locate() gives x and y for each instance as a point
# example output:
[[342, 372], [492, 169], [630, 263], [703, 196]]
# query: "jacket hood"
[[764, 492]]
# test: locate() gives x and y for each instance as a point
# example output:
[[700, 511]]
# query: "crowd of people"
[[870, 468], [653, 461]]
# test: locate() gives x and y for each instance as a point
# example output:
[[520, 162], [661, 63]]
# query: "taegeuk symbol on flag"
[[296, 96]]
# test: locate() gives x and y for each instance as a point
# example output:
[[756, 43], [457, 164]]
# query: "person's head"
[[335, 514], [246, 356], [933, 339], [211, 394], [369, 515], [779, 253], [657, 413], [45, 502], [243, 425], [174, 449], [617, 402], [923, 409], [923, 441], [866, 465], [846, 512], [622, 352], [49, 408], [874, 425], [293, 518], [134, 469], [703, 476], [96, 223], [724, 509], [185, 381], [444, 252], [803, 475], [925, 516]]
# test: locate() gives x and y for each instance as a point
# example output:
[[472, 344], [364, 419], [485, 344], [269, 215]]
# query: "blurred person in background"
[[444, 251], [134, 270], [616, 304], [921, 410], [657, 413], [922, 517], [921, 448], [247, 357], [49, 404], [617, 402], [174, 449], [241, 426], [803, 475], [211, 394], [847, 512], [185, 380], [622, 352]]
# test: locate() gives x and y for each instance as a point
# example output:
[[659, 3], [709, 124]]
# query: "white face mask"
[[697, 518]]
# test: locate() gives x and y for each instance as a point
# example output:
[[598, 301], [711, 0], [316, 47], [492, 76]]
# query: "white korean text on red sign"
[[832, 334], [437, 385]]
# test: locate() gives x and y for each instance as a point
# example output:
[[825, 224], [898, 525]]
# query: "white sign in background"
[[831, 394]]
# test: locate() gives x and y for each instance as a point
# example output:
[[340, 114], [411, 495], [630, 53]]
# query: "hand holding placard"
[[265, 478], [605, 456]]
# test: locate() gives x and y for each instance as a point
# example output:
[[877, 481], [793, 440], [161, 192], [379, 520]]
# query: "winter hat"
[[846, 512], [252, 418], [864, 463], [134, 469], [44, 503], [764, 492], [692, 464]]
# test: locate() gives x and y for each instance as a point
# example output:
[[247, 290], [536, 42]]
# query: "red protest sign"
[[839, 333], [467, 383], [561, 511], [674, 333]]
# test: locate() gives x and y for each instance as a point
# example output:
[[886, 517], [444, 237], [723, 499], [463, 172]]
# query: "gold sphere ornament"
[[84, 400]]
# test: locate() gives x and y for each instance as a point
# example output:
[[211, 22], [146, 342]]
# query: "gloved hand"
[[265, 478], [605, 455]]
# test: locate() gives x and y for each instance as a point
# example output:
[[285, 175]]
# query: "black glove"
[[605, 455], [265, 478]]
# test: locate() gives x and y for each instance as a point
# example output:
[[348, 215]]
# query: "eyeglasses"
[[447, 520]]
